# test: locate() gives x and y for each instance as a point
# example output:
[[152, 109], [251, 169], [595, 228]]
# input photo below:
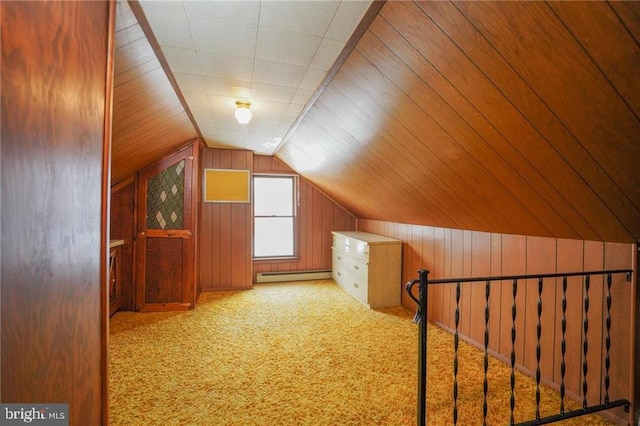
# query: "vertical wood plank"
[[480, 266], [206, 231], [447, 290], [457, 270], [594, 261], [570, 258], [620, 256], [437, 264], [541, 258], [514, 261], [497, 324], [426, 245], [466, 296]]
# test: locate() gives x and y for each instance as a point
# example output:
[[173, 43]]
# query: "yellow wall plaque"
[[226, 186]]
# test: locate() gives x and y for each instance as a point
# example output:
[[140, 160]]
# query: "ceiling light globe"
[[243, 113]]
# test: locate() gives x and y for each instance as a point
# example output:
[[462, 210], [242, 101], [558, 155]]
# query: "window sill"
[[278, 259]]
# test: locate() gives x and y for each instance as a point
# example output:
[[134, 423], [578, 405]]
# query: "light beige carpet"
[[295, 354]]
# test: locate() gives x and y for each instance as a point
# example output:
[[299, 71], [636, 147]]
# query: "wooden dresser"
[[368, 266]]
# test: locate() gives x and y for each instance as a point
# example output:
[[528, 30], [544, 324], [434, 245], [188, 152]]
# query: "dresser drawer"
[[358, 288], [352, 265], [351, 246], [340, 270]]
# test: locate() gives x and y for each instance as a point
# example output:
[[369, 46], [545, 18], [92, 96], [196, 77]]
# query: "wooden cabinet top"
[[367, 237]]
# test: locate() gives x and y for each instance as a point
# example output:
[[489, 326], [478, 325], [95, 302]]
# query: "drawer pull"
[[339, 258], [356, 285], [339, 274], [357, 268]]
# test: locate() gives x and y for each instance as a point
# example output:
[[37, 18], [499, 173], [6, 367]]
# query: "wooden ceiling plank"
[[541, 51], [597, 29], [629, 12], [124, 16], [128, 35], [375, 177], [158, 131], [438, 51], [145, 88], [158, 96], [129, 168], [393, 165], [146, 116], [433, 172], [537, 134], [475, 187], [367, 169], [415, 173], [132, 54], [511, 193], [135, 72], [349, 192], [515, 171]]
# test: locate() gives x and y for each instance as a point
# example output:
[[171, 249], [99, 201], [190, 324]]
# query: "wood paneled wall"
[[450, 253], [56, 74], [318, 215], [225, 230]]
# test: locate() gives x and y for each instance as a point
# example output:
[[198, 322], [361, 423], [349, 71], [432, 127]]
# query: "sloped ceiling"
[[513, 117], [273, 54], [149, 119]]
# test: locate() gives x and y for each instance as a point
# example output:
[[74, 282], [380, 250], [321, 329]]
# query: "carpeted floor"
[[296, 354]]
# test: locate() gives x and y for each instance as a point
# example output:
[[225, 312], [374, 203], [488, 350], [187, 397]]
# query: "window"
[[274, 226]]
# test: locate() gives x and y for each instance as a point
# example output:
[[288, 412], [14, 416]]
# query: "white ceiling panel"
[[277, 73], [300, 98], [225, 66], [274, 54], [341, 26], [203, 115], [245, 12], [175, 5], [227, 38], [310, 17], [312, 79], [192, 83], [283, 46], [182, 60], [195, 99], [327, 54], [234, 88], [270, 92], [172, 27]]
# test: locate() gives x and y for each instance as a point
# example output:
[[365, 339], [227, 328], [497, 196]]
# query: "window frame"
[[295, 212]]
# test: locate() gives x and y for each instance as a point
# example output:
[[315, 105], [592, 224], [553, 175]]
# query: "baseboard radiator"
[[274, 277]]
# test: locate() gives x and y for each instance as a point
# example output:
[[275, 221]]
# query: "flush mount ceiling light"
[[243, 113]]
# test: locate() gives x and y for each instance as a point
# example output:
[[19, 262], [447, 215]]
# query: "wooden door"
[[165, 240]]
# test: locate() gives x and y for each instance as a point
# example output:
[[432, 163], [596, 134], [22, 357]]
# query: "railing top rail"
[[531, 276]]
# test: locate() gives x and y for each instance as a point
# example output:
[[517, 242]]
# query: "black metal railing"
[[421, 318]]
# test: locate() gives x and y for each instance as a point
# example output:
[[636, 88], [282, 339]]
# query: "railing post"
[[422, 348], [421, 319]]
